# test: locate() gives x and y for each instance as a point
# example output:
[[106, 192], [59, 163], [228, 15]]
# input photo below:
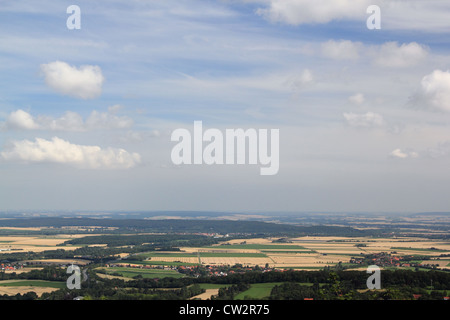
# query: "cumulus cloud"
[[391, 54], [368, 119], [434, 91], [60, 151], [69, 121], [296, 12], [21, 120], [84, 82], [341, 50], [400, 154]]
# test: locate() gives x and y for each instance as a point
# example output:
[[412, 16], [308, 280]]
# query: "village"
[[385, 259]]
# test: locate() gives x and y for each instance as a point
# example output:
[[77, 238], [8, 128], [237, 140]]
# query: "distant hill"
[[185, 226], [446, 214]]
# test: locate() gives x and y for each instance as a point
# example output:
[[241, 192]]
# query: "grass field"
[[33, 283], [257, 291], [160, 263], [145, 273]]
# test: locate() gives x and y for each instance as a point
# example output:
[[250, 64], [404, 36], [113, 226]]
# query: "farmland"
[[144, 273], [302, 253], [24, 286], [146, 263]]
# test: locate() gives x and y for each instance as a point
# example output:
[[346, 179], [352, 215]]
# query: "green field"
[[256, 246], [160, 263], [257, 291], [145, 273], [33, 283], [167, 254], [207, 286]]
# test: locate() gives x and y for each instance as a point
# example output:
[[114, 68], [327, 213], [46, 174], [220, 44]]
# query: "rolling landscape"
[[184, 256]]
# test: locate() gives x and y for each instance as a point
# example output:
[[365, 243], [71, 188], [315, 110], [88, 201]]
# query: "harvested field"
[[13, 287], [207, 294], [35, 243], [11, 291]]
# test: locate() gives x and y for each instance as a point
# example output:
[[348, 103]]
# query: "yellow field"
[[35, 243], [207, 294], [328, 251], [13, 290]]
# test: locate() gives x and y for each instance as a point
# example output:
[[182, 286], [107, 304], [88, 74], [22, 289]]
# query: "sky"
[[87, 114]]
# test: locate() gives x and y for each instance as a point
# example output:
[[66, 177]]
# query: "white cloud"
[[357, 99], [391, 54], [21, 120], [84, 82], [368, 119], [60, 151], [106, 120], [296, 12], [429, 16], [434, 91], [341, 50], [69, 121], [300, 81], [399, 153]]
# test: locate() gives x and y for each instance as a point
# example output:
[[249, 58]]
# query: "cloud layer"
[[368, 119], [434, 91], [296, 12], [391, 54], [84, 82], [60, 151], [70, 121]]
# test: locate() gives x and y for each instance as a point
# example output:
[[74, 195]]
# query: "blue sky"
[[86, 115]]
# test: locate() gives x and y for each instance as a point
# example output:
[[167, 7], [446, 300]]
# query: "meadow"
[[129, 272]]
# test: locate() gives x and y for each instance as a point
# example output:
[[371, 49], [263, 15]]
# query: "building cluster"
[[384, 259], [10, 267]]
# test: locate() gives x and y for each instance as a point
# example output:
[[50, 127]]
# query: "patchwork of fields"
[[303, 253], [307, 253], [35, 243]]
